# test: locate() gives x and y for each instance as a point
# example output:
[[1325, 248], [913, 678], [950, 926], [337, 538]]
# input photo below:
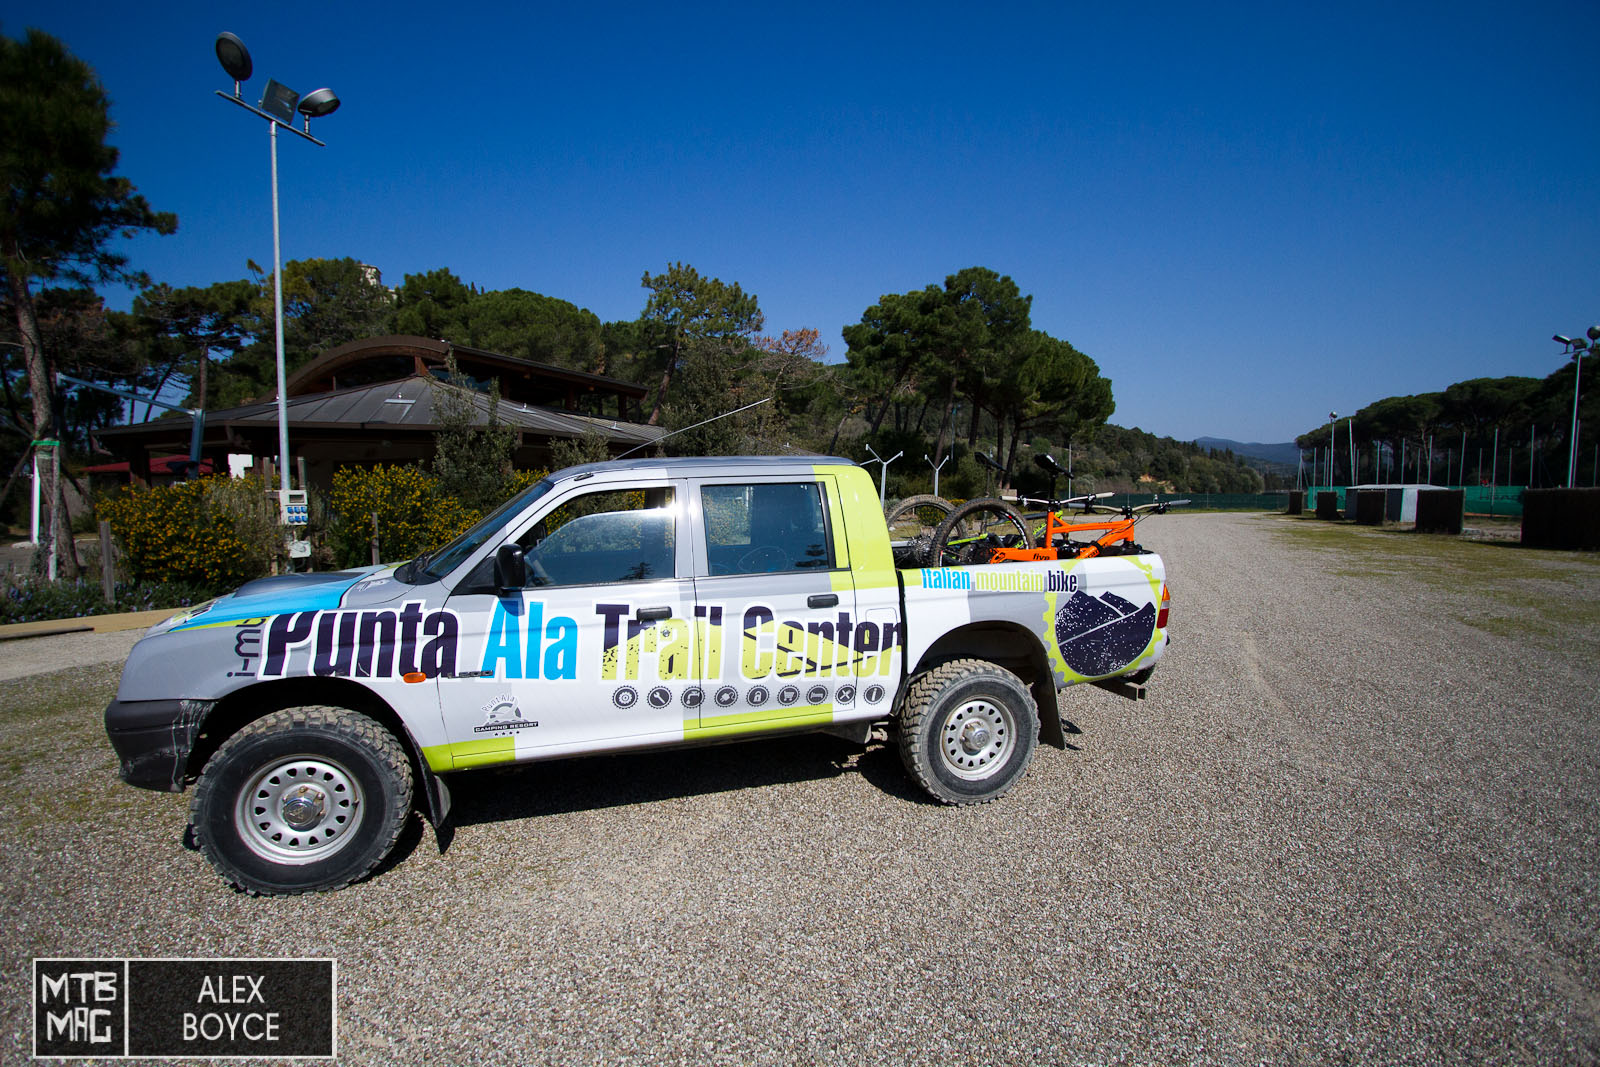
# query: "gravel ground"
[[1355, 822], [23, 657]]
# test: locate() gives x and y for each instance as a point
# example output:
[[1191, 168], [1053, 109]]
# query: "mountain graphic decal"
[[1099, 636]]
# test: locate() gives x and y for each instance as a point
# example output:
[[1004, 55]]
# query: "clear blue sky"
[[1249, 215]]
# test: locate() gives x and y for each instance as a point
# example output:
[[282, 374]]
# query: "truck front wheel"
[[968, 731], [302, 800]]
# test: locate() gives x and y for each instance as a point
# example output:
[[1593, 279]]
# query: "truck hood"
[[283, 593]]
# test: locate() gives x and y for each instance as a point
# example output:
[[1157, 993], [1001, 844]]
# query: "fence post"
[[108, 579], [375, 560]]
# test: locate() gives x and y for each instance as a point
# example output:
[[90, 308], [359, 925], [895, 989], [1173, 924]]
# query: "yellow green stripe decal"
[[463, 754], [751, 722]]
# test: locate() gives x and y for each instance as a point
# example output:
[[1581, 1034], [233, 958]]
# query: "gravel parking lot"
[[1356, 822]]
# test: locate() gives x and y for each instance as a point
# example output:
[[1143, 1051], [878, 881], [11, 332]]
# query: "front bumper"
[[152, 739]]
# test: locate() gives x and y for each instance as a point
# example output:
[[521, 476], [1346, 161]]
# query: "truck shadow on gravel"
[[587, 784]]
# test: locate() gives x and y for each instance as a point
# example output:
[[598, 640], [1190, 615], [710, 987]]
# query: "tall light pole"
[[1331, 417], [1577, 349], [278, 106], [1350, 431]]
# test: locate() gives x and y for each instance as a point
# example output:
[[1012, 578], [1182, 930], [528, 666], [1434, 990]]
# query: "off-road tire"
[[303, 800], [967, 731]]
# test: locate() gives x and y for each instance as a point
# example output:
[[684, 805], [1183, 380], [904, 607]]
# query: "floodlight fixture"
[[317, 103], [235, 59], [279, 101]]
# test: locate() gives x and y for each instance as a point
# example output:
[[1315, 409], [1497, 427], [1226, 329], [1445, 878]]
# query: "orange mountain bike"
[[992, 530]]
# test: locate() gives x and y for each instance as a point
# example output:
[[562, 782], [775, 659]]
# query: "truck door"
[[596, 650], [775, 607]]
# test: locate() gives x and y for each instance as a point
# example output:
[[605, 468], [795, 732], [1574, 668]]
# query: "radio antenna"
[[686, 429]]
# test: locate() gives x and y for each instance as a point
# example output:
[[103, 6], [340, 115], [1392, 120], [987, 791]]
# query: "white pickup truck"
[[612, 606]]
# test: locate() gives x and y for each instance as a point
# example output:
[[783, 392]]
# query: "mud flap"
[[1048, 701], [438, 794]]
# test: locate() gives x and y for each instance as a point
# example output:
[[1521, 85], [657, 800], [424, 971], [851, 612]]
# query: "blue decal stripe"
[[229, 610]]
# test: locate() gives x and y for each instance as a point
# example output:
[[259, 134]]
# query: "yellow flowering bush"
[[220, 532], [217, 532], [413, 516]]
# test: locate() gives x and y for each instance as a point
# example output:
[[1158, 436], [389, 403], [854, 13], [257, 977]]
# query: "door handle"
[[652, 614], [822, 600]]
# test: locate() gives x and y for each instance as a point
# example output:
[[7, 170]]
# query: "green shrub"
[[415, 513], [31, 599], [215, 532]]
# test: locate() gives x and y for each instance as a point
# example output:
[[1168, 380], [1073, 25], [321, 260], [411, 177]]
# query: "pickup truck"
[[611, 606]]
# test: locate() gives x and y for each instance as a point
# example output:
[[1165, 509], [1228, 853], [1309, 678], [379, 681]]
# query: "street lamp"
[[1577, 349], [278, 106], [1332, 415]]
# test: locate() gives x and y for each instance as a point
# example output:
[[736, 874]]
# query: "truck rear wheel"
[[302, 800], [968, 731]]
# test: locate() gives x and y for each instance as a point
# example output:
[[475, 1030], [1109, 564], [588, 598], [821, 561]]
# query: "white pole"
[[1494, 468], [1350, 432], [1331, 418], [55, 505], [277, 310], [1572, 451], [35, 526]]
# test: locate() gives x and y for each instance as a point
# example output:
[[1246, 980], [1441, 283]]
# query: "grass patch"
[[55, 761], [1501, 588]]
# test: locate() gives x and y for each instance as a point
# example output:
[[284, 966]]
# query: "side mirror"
[[510, 570]]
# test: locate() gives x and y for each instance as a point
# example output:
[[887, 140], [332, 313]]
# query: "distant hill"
[[1285, 453]]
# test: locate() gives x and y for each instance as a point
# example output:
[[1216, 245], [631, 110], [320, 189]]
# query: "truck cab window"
[[765, 528], [617, 535]]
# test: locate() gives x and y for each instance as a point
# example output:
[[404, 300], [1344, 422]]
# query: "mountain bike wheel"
[[912, 524], [971, 532]]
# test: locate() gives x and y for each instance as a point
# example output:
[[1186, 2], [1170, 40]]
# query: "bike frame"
[[1116, 531]]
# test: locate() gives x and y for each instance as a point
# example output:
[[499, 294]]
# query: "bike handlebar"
[[1056, 504]]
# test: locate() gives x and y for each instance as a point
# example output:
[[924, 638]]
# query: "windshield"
[[435, 565]]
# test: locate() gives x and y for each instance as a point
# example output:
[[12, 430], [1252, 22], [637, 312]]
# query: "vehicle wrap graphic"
[[1095, 617], [376, 644], [272, 596], [1107, 629], [522, 643], [1100, 635]]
